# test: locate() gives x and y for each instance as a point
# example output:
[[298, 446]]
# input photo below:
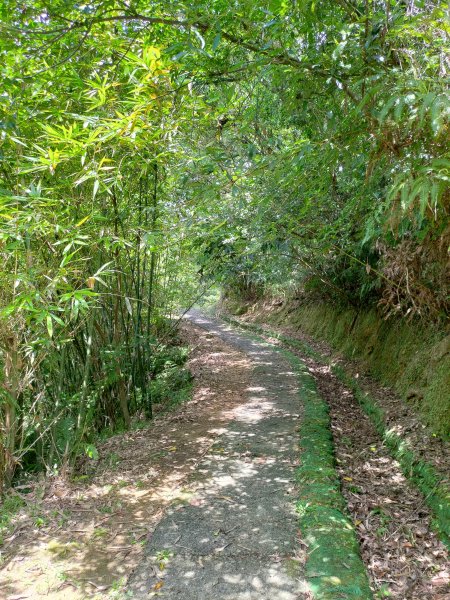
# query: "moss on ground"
[[334, 568], [422, 474], [414, 358]]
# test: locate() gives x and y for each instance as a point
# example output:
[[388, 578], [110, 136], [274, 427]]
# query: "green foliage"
[[10, 505], [171, 381], [91, 451], [150, 152]]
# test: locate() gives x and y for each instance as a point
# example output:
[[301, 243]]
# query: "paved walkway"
[[236, 538]]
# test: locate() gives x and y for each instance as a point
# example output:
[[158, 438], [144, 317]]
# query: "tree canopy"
[[150, 149]]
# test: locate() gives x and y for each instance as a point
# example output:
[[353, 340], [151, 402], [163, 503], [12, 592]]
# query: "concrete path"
[[236, 538]]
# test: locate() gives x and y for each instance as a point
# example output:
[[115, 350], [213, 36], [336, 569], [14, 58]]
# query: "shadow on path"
[[236, 537]]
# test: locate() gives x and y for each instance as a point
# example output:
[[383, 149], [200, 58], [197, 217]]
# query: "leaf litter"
[[81, 537], [403, 554]]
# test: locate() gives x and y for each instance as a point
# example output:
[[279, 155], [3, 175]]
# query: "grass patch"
[[9, 507], [436, 492]]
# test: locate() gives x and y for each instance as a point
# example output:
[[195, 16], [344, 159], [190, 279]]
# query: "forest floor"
[[81, 537], [168, 502]]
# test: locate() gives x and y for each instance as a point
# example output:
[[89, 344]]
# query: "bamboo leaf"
[[50, 326]]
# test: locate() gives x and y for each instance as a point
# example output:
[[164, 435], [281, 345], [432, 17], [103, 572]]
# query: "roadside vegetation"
[[153, 153]]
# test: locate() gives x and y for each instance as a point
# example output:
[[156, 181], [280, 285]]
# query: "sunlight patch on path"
[[236, 537]]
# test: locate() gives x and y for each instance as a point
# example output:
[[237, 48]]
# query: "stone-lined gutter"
[[435, 491], [334, 568]]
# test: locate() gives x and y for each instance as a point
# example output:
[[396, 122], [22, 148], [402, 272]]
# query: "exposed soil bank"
[[412, 358]]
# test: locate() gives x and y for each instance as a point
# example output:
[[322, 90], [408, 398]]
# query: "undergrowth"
[[171, 385], [10, 506], [171, 381]]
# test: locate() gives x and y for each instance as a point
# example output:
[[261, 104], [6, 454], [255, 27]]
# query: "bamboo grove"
[[151, 149]]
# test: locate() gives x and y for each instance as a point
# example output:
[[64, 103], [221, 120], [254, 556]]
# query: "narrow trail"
[[237, 538], [200, 505]]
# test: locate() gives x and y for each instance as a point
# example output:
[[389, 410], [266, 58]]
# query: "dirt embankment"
[[413, 359]]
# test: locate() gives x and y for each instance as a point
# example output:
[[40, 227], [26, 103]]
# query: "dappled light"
[[224, 300], [236, 538], [402, 552], [94, 529]]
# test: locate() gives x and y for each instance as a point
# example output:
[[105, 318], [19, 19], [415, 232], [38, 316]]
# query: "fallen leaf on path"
[[100, 588], [226, 498]]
